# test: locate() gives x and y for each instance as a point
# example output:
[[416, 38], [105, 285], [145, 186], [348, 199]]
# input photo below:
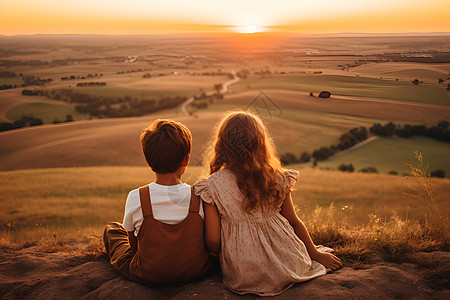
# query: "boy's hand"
[[328, 260]]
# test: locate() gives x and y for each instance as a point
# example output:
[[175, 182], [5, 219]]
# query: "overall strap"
[[194, 207], [146, 204]]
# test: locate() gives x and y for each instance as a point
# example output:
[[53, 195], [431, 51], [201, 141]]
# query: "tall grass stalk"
[[434, 222]]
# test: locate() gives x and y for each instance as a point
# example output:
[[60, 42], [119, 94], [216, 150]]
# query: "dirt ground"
[[28, 272]]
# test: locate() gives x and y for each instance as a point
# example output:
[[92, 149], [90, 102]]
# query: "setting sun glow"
[[249, 29], [242, 16]]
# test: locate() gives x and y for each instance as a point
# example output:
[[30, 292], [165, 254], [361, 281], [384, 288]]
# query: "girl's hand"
[[328, 260]]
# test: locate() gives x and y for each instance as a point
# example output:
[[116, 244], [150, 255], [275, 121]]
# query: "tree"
[[322, 154], [218, 87], [288, 158], [359, 133], [405, 132], [346, 168], [438, 173], [369, 170], [35, 122], [418, 130], [305, 157], [19, 123], [443, 124], [69, 118], [379, 129], [342, 167], [6, 126], [390, 128], [350, 168]]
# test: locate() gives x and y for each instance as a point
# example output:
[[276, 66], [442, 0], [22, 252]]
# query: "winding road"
[[222, 91]]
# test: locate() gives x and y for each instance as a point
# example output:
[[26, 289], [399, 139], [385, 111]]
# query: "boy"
[[161, 241]]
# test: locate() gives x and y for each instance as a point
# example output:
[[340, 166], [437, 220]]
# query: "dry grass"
[[397, 238], [60, 210]]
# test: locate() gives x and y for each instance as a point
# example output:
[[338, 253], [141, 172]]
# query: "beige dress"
[[260, 253]]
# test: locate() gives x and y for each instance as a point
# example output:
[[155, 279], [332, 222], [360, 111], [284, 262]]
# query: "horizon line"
[[410, 33]]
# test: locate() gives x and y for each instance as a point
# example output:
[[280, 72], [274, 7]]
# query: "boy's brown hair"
[[166, 144]]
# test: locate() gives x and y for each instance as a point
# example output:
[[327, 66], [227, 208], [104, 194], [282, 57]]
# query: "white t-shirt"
[[170, 205]]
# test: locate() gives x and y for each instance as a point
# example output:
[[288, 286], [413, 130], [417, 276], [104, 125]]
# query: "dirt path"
[[222, 91], [29, 273], [354, 147]]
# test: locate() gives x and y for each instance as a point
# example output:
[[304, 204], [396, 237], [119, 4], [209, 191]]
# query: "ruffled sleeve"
[[201, 189], [291, 177]]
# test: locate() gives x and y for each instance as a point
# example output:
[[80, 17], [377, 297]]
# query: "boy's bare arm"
[[212, 227], [133, 241]]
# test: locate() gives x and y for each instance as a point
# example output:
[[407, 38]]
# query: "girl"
[[249, 215]]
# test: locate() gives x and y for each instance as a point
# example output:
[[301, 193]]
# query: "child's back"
[[249, 214], [169, 253], [260, 252], [162, 238]]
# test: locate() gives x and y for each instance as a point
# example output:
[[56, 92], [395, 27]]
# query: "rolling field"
[[302, 123], [365, 109], [113, 142], [116, 91], [387, 154], [72, 202], [406, 71], [351, 86], [70, 179], [151, 88], [47, 111]]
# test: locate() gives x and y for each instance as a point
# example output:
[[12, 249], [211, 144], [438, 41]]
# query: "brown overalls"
[[166, 254]]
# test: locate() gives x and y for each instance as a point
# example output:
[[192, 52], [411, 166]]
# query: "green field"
[[387, 154], [114, 91], [46, 111], [11, 80], [351, 86]]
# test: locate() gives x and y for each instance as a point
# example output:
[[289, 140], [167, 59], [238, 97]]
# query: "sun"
[[249, 25], [249, 28]]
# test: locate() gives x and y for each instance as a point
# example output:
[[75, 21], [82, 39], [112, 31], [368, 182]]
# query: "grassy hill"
[[351, 86], [297, 104], [112, 142], [387, 154], [47, 111], [69, 202]]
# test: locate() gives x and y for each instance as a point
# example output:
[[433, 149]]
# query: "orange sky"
[[145, 17]]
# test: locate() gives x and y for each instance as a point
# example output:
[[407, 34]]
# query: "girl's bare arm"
[[327, 259], [212, 227]]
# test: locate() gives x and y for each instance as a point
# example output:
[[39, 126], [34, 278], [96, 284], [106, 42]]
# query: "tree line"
[[29, 121], [26, 80], [92, 83], [112, 107], [96, 106], [73, 77], [441, 132]]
